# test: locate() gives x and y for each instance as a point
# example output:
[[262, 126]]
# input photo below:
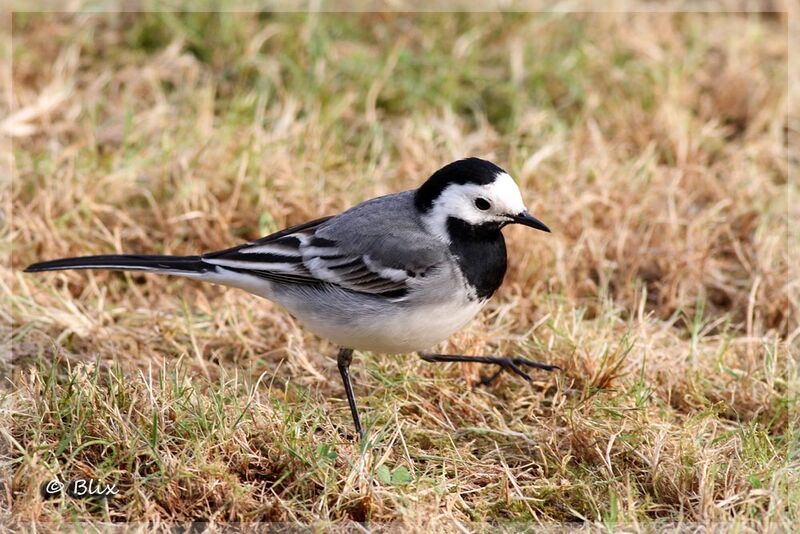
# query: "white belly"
[[399, 332], [347, 320]]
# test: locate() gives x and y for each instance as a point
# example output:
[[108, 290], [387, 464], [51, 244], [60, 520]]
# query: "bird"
[[396, 274]]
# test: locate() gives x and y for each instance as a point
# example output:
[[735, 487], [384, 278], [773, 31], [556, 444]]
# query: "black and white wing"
[[299, 255]]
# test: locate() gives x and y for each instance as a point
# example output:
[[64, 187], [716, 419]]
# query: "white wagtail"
[[395, 274]]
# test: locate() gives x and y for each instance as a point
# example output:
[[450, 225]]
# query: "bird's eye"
[[482, 204]]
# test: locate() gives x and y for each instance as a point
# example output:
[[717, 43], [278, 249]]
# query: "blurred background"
[[653, 144]]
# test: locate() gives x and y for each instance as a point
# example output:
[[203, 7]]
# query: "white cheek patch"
[[459, 201], [454, 201]]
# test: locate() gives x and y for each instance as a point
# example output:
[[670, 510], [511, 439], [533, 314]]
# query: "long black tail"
[[185, 265]]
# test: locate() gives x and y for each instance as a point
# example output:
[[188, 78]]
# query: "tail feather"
[[127, 262], [188, 266]]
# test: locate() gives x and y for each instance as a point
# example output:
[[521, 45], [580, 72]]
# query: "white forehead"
[[505, 194]]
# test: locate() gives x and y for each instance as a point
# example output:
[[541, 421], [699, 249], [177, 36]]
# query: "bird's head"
[[473, 191]]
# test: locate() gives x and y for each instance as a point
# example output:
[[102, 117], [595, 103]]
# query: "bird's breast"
[[480, 254]]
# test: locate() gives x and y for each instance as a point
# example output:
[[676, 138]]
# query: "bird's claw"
[[514, 365]]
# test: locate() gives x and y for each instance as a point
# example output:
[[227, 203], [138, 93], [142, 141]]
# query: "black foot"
[[349, 436], [506, 363], [343, 434], [515, 365]]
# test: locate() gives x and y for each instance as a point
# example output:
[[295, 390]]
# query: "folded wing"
[[298, 255]]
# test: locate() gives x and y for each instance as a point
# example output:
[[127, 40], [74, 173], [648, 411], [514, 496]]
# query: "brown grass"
[[654, 145]]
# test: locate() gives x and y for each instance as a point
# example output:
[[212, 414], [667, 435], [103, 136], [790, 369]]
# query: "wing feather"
[[298, 256]]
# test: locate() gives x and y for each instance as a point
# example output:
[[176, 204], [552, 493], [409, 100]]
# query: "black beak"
[[527, 219]]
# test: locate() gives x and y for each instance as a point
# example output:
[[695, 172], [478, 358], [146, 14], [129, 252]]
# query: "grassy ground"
[[654, 146]]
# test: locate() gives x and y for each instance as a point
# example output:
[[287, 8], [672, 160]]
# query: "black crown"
[[464, 171]]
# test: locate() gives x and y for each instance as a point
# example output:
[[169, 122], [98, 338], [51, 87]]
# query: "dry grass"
[[653, 145]]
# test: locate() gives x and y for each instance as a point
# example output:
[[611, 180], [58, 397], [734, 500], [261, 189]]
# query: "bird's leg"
[[505, 362], [343, 360]]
